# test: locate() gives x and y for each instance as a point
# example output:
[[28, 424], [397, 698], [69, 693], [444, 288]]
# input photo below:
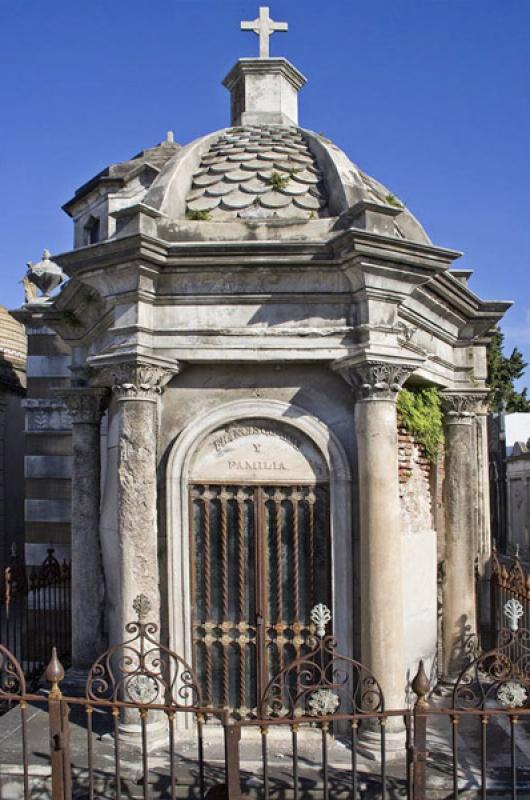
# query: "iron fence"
[[507, 580], [35, 614], [140, 728]]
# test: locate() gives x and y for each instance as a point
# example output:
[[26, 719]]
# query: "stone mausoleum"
[[211, 413]]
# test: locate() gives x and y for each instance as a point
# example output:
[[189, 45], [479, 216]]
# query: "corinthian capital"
[[462, 406], [132, 381], [376, 380], [85, 406]]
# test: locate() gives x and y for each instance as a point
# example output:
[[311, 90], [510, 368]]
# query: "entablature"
[[274, 299]]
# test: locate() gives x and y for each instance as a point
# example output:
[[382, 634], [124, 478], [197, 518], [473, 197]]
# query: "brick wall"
[[414, 484]]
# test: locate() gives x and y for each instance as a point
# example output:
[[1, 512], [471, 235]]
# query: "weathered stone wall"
[[48, 447], [416, 486], [518, 490]]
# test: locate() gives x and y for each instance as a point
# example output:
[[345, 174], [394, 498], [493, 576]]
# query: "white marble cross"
[[264, 26]]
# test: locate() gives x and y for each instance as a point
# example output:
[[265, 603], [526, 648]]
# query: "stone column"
[[382, 647], [460, 485], [483, 484], [137, 388], [86, 407]]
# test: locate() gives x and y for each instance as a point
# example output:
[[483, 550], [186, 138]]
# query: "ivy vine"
[[420, 413]]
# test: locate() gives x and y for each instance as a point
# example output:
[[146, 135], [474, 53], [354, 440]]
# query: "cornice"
[[356, 249], [78, 313], [260, 66], [337, 249], [367, 243], [462, 297]]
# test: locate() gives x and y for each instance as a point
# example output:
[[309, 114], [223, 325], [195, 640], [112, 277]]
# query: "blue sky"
[[429, 96]]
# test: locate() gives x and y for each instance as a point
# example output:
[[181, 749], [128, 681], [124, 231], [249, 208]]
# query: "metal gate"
[[260, 562]]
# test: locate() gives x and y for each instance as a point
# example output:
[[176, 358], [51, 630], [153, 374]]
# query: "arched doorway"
[[260, 556], [181, 475]]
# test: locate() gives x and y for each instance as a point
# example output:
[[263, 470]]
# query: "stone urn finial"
[[46, 275]]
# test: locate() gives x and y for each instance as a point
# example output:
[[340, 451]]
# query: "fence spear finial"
[[54, 674], [421, 685]]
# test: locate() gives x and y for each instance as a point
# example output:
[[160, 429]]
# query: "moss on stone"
[[393, 201], [198, 216]]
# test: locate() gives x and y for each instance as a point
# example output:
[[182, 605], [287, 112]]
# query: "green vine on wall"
[[420, 413]]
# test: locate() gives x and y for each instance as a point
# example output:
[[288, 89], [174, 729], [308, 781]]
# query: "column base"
[[369, 744], [130, 733]]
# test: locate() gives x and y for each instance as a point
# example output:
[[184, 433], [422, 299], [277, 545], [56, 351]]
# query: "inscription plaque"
[[258, 451]]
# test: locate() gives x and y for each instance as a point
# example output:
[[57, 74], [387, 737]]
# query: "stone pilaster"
[[460, 485], [137, 388], [376, 386], [86, 407]]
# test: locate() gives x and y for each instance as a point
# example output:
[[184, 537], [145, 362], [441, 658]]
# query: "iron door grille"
[[260, 562]]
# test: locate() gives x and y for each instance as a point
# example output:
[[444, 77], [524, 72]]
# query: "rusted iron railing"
[[135, 692], [146, 698], [35, 614], [508, 580]]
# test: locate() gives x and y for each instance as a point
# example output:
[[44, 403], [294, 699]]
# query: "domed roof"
[[13, 345], [267, 172], [262, 169]]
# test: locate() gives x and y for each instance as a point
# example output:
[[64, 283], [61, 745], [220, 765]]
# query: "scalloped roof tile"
[[236, 176]]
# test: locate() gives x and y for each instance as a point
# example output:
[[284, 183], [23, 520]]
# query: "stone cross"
[[264, 26]]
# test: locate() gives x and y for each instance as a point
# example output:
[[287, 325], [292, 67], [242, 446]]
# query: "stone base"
[[130, 733], [369, 744]]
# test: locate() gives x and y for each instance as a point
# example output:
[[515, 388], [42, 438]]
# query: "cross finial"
[[264, 26]]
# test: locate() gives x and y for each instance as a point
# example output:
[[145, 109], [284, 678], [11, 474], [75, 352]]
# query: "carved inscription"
[[259, 451], [252, 430], [252, 466]]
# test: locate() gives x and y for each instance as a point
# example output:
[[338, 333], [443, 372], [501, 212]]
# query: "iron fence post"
[[493, 592], [58, 712], [232, 767], [420, 686]]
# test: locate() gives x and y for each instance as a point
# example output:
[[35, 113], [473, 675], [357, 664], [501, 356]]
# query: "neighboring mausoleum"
[[12, 393], [212, 413]]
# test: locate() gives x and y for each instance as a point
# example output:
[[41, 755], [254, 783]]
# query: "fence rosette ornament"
[[512, 695], [323, 702], [142, 671], [500, 676], [321, 682]]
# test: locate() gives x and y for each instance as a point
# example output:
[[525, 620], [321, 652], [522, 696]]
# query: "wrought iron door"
[[260, 562]]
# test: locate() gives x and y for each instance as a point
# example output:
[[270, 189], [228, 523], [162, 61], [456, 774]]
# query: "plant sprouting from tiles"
[[278, 182], [197, 216], [392, 200]]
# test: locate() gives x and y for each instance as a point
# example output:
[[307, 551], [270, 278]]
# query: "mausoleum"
[[212, 416]]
